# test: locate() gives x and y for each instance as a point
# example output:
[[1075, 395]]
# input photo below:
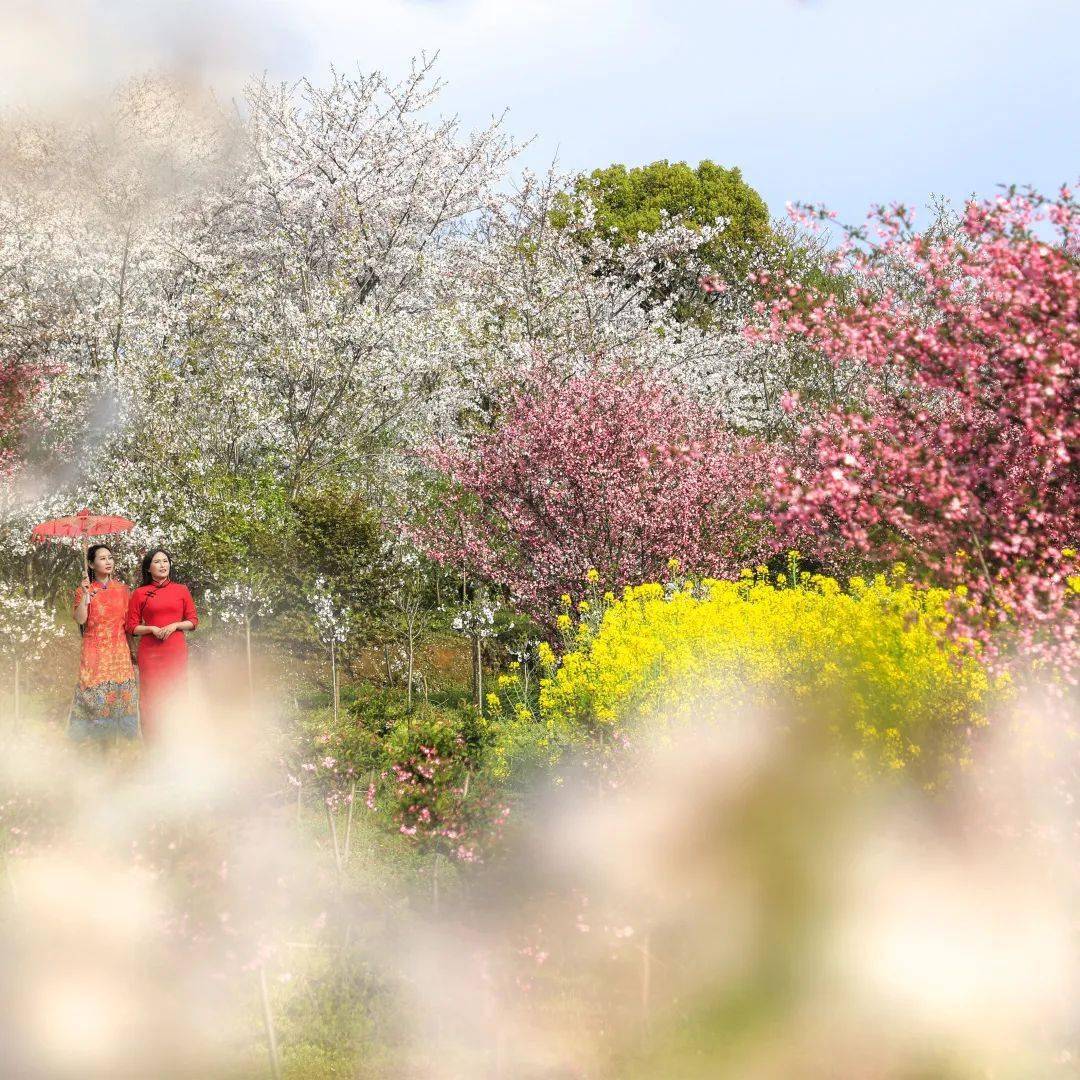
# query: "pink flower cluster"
[[334, 779], [435, 806], [610, 470], [20, 380], [961, 456]]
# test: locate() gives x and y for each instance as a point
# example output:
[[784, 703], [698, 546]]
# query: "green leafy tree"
[[338, 554], [637, 200], [620, 204], [239, 530], [338, 537], [628, 202]]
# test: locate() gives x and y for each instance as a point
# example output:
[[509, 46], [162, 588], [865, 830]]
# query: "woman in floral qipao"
[[106, 701]]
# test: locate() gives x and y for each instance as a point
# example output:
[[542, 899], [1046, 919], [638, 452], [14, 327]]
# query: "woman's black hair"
[[91, 552], [148, 558]]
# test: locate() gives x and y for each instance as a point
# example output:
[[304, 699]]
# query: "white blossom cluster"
[[239, 602], [477, 620], [331, 619], [26, 626], [307, 290]]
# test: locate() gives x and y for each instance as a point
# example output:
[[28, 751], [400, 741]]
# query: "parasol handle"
[[85, 567]]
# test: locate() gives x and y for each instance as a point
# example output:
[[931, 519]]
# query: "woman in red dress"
[[160, 614]]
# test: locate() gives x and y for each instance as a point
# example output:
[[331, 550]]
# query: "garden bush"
[[433, 774]]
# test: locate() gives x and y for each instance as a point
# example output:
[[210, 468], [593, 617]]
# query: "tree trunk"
[[268, 1024], [250, 671], [348, 825], [334, 839], [334, 680], [18, 694], [478, 674], [412, 653], [646, 979]]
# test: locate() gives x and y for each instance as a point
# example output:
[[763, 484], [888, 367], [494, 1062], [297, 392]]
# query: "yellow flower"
[[1069, 553], [879, 648], [564, 622], [565, 599], [494, 701], [609, 598], [592, 576], [673, 565]]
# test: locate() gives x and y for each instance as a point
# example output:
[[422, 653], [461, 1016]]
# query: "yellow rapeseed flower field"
[[873, 662]]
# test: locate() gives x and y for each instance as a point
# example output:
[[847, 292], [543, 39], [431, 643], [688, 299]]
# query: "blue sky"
[[846, 102]]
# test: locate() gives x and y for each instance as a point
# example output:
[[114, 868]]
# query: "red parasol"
[[81, 526]]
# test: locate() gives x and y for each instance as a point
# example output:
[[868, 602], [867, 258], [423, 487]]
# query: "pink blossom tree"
[[11, 393], [19, 382], [961, 453], [605, 470]]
